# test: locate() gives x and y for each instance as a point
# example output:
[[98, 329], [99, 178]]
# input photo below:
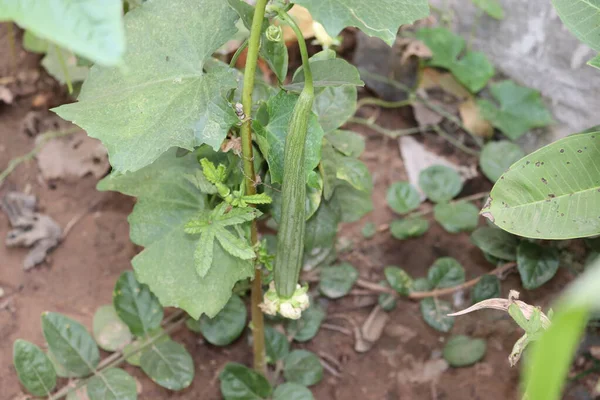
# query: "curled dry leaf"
[[472, 119], [414, 47]]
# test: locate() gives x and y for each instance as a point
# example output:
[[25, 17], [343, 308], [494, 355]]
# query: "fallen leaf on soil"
[[372, 329], [431, 78], [421, 372], [30, 229], [469, 113], [72, 157], [416, 48], [400, 331], [6, 95]]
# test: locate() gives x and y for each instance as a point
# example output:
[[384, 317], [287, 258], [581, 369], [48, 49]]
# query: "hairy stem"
[[258, 324]]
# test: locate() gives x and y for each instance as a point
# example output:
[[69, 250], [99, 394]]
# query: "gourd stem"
[[258, 325], [308, 78]]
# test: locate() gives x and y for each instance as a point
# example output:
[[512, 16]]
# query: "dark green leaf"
[[112, 384], [435, 313], [306, 328], [132, 114], [227, 325], [582, 18], [276, 344], [320, 233], [408, 227], [537, 264], [488, 287], [133, 356], [354, 204], [303, 367], [292, 391], [440, 183], [239, 382], [336, 281], [327, 73], [456, 217], [334, 105], [34, 369], [169, 365], [520, 109], [402, 197], [497, 157], [493, 8], [387, 301], [474, 70], [70, 343], [553, 193], [369, 230], [398, 279], [496, 242], [446, 272], [462, 351], [276, 56], [347, 142], [136, 305], [110, 332], [421, 285]]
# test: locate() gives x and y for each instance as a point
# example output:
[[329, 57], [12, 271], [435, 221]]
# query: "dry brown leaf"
[[6, 95], [469, 113], [372, 329], [415, 48], [431, 78]]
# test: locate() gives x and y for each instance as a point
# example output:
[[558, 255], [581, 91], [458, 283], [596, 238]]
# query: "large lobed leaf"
[[582, 17], [90, 28], [166, 202], [553, 193], [379, 18], [165, 98]]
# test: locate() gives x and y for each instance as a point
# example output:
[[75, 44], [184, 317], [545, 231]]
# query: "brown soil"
[[81, 272]]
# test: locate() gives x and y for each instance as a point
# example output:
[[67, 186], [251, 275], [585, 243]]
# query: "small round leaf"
[[402, 197], [462, 351], [369, 230], [303, 367], [439, 183], [227, 325], [386, 301], [435, 313], [308, 325], [408, 228], [336, 281], [421, 285], [292, 391], [113, 384], [276, 344], [133, 356], [456, 217], [239, 382], [496, 242], [488, 287], [497, 157], [398, 279], [110, 332], [446, 272], [536, 264], [34, 369], [168, 364]]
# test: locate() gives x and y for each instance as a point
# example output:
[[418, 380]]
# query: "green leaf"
[[34, 44], [386, 301], [369, 230], [170, 100], [239, 382], [520, 109], [276, 56], [421, 285], [133, 356], [53, 61], [110, 332], [271, 137], [536, 264], [594, 62], [497, 157], [488, 287], [473, 70], [493, 8], [276, 345], [496, 242], [227, 325], [60, 369], [462, 351], [402, 197], [70, 343], [354, 204], [166, 202], [435, 313], [91, 29], [320, 234], [553, 193], [169, 365], [379, 18], [327, 73], [34, 369], [456, 217], [334, 105], [582, 17], [355, 172], [246, 13], [112, 384], [348, 143], [439, 183], [136, 305], [336, 281], [303, 367], [408, 227], [446, 272], [292, 391], [306, 328], [312, 202], [399, 280]]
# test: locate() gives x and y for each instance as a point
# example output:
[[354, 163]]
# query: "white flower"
[[287, 310], [303, 301], [323, 38]]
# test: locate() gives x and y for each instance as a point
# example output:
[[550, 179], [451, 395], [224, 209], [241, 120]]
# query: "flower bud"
[[289, 308], [274, 33]]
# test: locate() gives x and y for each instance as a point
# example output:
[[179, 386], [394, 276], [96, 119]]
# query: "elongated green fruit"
[[290, 238]]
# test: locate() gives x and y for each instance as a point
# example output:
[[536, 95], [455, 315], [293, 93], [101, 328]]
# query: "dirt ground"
[[82, 271]]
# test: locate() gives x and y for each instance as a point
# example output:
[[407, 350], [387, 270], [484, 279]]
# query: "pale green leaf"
[[235, 245], [435, 313], [306, 328], [326, 73], [462, 351], [334, 105], [271, 137], [34, 369], [34, 44], [227, 325], [379, 18], [398, 279], [166, 202], [497, 157], [439, 183], [456, 217], [519, 109], [71, 72], [292, 391], [536, 264], [136, 305], [303, 367], [582, 17], [239, 382], [166, 98], [336, 281], [112, 384], [493, 8], [408, 227], [93, 29], [594, 62], [446, 272], [402, 197], [276, 345], [354, 204], [486, 288], [203, 255], [553, 193], [496, 242], [169, 365], [110, 332], [348, 143]]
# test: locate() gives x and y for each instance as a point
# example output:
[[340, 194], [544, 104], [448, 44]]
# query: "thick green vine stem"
[[258, 324]]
